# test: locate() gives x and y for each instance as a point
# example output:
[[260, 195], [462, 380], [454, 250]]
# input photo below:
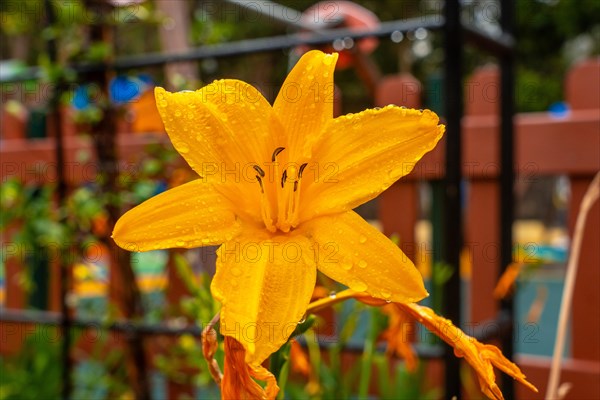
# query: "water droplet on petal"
[[328, 59], [180, 243], [303, 320], [359, 286], [183, 148], [332, 295], [362, 264], [346, 265], [362, 239], [205, 240], [386, 294]]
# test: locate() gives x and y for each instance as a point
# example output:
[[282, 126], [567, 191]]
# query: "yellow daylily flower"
[[397, 335], [276, 189]]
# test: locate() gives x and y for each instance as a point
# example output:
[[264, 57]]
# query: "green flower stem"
[[282, 381], [367, 358]]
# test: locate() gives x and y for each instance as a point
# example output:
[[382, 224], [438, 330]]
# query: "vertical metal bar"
[[61, 191], [507, 177], [453, 93]]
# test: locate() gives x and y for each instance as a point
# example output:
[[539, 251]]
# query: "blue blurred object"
[[121, 90], [560, 109], [124, 89], [81, 98]]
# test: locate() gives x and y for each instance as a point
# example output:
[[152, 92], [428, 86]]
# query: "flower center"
[[280, 194]]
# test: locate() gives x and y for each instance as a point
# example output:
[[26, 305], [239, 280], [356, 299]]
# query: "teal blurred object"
[[36, 124], [537, 338]]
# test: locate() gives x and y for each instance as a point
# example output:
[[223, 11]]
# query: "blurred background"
[[81, 142]]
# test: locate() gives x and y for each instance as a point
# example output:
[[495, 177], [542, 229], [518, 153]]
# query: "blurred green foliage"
[[33, 372]]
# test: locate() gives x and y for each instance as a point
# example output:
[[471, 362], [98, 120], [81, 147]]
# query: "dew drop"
[[359, 286], [328, 59], [332, 295], [346, 265], [205, 240], [362, 264], [311, 77], [303, 320], [178, 113], [163, 103], [362, 239], [325, 74], [386, 294], [180, 243], [183, 148]]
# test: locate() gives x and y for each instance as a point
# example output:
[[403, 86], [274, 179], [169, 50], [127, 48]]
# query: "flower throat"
[[280, 194]]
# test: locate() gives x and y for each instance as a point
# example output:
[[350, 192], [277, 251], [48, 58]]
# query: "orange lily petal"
[[237, 383], [145, 115], [190, 215], [354, 253], [397, 334], [299, 359], [361, 155], [482, 357], [264, 284], [507, 280], [304, 104]]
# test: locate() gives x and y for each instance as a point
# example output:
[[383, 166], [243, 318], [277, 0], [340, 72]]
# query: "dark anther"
[[301, 170], [260, 183], [295, 186], [283, 178], [276, 153], [259, 170]]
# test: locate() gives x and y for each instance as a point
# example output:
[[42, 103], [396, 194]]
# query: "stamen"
[[295, 186], [276, 153], [259, 170], [262, 189], [283, 178], [301, 170]]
